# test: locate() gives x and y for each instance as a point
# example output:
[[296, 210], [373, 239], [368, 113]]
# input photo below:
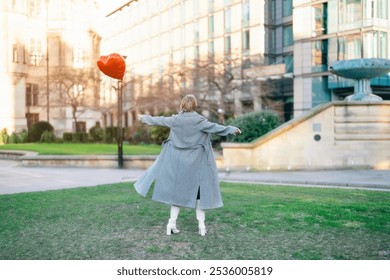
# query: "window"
[[375, 9], [15, 53], [320, 91], [78, 58], [246, 40], [382, 9], [228, 20], [78, 93], [35, 52], [196, 9], [32, 93], [126, 119], [370, 43], [375, 44], [182, 36], [350, 11], [34, 8], [287, 36], [354, 46], [211, 26], [196, 53], [171, 41], [211, 6], [228, 45], [320, 55], [196, 30], [24, 55], [289, 62], [320, 13], [245, 14], [32, 118], [182, 12], [211, 48], [273, 10], [369, 9], [383, 45], [81, 127], [349, 47], [287, 8], [272, 39]]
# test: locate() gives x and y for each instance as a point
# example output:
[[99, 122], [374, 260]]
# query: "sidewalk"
[[17, 179]]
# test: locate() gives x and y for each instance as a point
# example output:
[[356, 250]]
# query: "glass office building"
[[157, 36], [305, 36], [328, 31]]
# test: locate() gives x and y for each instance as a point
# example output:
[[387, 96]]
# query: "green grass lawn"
[[257, 222], [83, 149]]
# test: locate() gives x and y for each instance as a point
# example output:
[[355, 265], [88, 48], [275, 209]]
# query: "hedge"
[[254, 125]]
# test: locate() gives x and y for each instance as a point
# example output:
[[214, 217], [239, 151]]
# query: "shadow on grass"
[[257, 222]]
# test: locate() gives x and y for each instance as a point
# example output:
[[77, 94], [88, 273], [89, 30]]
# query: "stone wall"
[[32, 159], [332, 136]]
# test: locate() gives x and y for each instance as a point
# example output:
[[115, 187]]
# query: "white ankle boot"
[[171, 226], [200, 216]]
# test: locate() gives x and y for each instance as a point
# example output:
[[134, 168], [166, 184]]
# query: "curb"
[[376, 187]]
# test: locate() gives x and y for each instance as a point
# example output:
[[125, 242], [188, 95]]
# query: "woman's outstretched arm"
[[159, 121], [210, 127]]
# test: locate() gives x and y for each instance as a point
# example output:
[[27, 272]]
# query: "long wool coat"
[[186, 163]]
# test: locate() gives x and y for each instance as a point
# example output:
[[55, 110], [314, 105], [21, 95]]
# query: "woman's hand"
[[238, 131]]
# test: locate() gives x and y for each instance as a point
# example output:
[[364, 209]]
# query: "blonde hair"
[[188, 103]]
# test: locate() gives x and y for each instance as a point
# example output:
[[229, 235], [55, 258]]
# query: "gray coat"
[[186, 163]]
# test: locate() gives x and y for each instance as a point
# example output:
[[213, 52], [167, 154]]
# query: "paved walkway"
[[16, 179]]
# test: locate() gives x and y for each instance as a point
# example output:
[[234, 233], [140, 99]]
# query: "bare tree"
[[74, 88], [159, 94], [216, 78], [217, 81], [268, 84]]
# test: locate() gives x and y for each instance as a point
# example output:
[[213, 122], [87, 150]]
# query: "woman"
[[185, 172]]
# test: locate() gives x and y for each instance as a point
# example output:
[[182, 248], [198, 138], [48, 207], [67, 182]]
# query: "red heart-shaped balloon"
[[112, 65]]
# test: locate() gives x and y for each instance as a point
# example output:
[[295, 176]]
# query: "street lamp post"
[[114, 66], [47, 62], [120, 133]]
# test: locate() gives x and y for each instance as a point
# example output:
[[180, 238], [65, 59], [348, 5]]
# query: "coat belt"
[[194, 147]]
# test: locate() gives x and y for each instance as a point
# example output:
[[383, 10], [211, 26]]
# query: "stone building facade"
[[48, 53]]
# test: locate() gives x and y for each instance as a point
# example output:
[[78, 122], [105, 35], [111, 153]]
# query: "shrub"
[[37, 130], [14, 139], [141, 135], [75, 137], [23, 136], [110, 134], [96, 133], [158, 134], [67, 136], [4, 137], [80, 137], [48, 137], [253, 125]]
